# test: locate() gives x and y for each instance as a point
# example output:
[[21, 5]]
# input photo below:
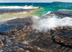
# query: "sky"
[[34, 0]]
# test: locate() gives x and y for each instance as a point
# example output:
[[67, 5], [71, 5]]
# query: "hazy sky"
[[34, 0]]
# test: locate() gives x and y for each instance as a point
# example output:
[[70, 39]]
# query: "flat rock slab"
[[36, 41], [15, 25], [63, 36], [45, 42], [20, 47]]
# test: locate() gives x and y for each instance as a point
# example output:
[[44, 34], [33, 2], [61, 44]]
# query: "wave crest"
[[18, 7], [52, 22]]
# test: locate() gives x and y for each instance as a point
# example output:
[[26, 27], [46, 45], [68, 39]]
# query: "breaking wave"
[[45, 24], [18, 7]]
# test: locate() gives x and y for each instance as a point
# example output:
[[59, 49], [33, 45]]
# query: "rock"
[[64, 36], [1, 44], [1, 51], [59, 14], [14, 25], [26, 51], [18, 36], [45, 42], [19, 47]]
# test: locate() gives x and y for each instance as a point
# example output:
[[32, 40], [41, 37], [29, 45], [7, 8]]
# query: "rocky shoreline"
[[18, 36]]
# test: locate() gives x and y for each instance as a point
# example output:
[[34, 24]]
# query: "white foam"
[[35, 18], [47, 13], [49, 23], [18, 7]]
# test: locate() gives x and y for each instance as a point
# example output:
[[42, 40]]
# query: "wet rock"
[[19, 47], [45, 42], [18, 36], [64, 36], [14, 25], [59, 14], [1, 44], [1, 51]]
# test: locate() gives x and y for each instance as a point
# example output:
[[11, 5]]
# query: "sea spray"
[[45, 24], [35, 19], [47, 13]]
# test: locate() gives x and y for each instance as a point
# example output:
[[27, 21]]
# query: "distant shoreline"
[[36, 2]]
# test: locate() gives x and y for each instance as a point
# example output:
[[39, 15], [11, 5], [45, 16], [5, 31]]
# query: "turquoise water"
[[46, 6]]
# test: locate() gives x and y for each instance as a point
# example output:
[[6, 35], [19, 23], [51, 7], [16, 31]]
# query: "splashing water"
[[18, 7], [52, 22]]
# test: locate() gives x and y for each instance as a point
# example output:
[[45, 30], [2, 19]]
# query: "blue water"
[[46, 6]]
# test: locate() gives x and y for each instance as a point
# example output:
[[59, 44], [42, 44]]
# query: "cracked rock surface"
[[18, 36]]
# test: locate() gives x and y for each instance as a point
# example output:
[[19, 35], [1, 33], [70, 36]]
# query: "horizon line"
[[33, 2]]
